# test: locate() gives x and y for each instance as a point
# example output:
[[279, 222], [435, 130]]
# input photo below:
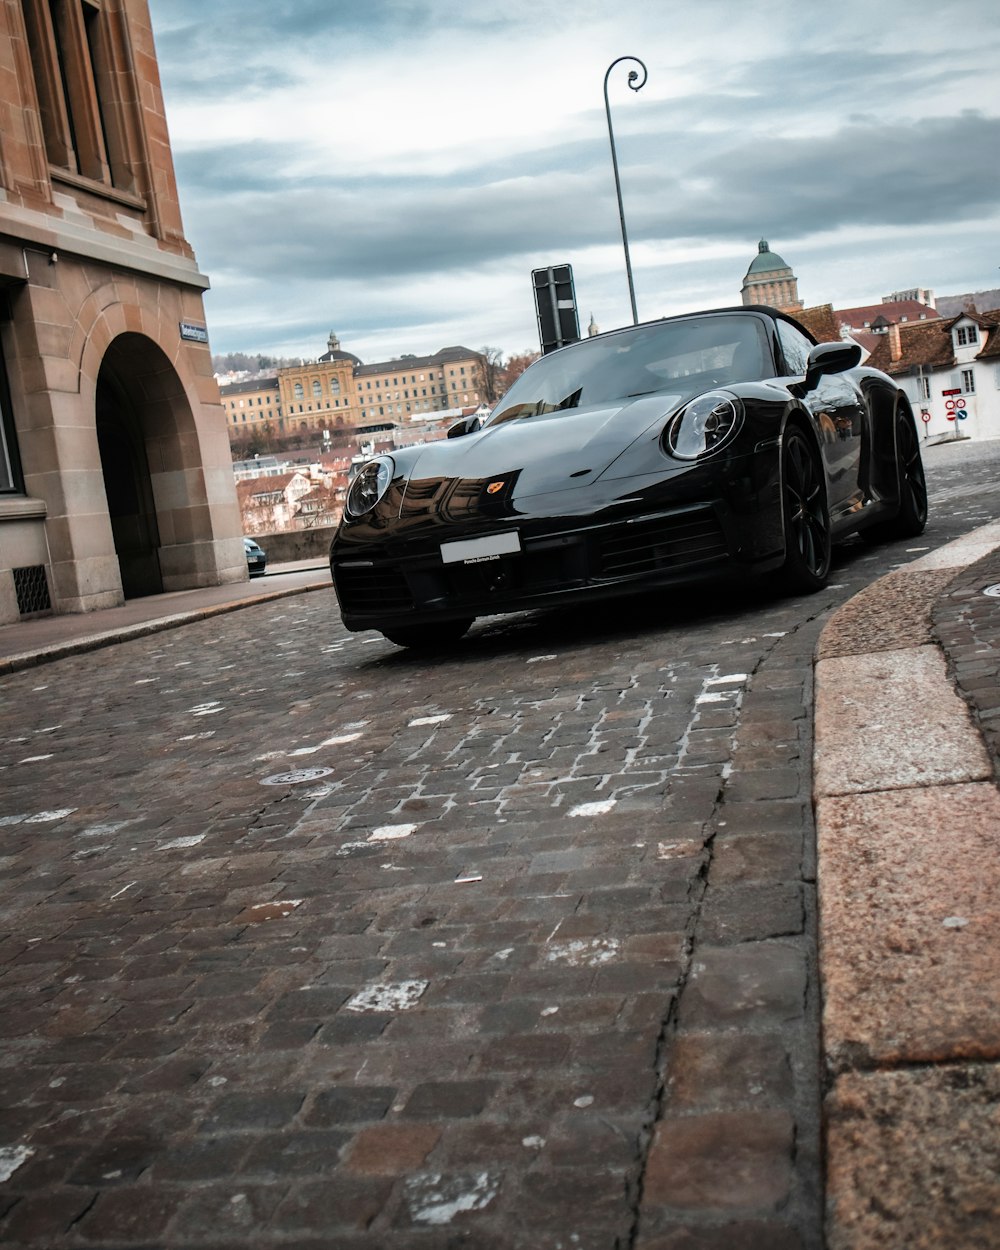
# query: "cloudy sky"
[[395, 169]]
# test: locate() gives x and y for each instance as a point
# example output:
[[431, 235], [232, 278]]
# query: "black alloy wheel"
[[436, 637], [912, 516], [808, 543]]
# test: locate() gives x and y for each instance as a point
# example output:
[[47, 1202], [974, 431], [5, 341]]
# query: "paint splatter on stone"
[[11, 1158], [437, 1199], [390, 833], [599, 808], [394, 996], [583, 954]]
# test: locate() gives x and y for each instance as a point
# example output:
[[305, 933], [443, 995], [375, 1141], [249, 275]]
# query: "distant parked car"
[[256, 558], [646, 457]]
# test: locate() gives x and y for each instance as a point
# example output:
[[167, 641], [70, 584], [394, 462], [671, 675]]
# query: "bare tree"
[[490, 373]]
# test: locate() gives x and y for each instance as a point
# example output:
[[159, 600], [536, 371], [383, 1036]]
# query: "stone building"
[[770, 281], [115, 470], [252, 406], [351, 400]]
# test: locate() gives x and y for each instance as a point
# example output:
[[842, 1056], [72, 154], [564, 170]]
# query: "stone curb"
[[907, 813], [94, 642]]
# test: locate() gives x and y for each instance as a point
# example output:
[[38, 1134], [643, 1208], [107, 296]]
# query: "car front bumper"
[[404, 581]]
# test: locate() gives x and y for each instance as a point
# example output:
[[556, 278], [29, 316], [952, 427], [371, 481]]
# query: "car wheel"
[[808, 544], [427, 637], [911, 519]]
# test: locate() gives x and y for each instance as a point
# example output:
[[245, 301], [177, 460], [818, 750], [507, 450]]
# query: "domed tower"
[[334, 353], [770, 281]]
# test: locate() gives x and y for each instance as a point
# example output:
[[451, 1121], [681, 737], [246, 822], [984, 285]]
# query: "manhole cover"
[[993, 591], [296, 776]]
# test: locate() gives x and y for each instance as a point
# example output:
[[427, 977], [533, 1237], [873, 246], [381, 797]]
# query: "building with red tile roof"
[[949, 368]]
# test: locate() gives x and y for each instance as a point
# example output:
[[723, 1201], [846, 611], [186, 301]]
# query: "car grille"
[[372, 589], [664, 542]]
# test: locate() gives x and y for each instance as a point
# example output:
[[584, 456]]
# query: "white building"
[[950, 370]]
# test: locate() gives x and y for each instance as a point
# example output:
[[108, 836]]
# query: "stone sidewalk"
[[46, 638], [908, 831]]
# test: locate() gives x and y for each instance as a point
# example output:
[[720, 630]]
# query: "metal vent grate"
[[667, 542], [370, 589], [32, 589]]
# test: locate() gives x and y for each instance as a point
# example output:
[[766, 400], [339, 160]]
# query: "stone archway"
[[153, 477], [128, 487]]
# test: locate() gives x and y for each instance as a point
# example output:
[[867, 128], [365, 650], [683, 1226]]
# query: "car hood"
[[563, 450]]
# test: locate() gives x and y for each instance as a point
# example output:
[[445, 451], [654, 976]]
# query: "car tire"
[[427, 637], [911, 519], [806, 518]]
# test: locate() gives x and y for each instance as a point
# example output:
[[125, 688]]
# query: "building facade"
[[352, 401], [949, 368], [252, 406], [115, 470]]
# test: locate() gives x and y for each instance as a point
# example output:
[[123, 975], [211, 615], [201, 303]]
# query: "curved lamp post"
[[636, 84]]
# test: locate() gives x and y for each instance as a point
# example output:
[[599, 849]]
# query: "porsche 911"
[[692, 447]]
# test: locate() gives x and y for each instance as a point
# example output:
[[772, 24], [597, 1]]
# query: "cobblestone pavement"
[[310, 942]]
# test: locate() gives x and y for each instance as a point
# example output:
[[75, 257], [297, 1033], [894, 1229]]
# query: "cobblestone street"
[[308, 941]]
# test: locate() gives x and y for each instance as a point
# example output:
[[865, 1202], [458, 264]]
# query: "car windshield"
[[682, 357]]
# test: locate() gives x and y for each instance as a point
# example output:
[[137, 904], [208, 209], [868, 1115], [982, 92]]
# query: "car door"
[[840, 413]]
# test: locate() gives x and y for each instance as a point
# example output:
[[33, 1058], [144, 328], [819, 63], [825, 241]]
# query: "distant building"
[[304, 499], [252, 406], [352, 401], [770, 281], [919, 293], [949, 368], [114, 464], [877, 318]]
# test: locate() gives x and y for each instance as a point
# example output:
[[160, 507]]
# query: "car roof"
[[753, 310]]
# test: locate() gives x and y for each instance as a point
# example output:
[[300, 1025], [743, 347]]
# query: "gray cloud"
[[798, 130], [860, 176]]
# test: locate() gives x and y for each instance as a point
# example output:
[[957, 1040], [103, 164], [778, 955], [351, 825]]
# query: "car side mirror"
[[830, 358], [468, 425]]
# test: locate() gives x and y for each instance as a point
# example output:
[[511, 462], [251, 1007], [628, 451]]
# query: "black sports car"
[[653, 455]]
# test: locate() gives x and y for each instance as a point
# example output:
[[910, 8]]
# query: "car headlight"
[[369, 486], [704, 425]]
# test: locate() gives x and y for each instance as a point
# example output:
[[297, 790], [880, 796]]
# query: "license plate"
[[472, 550]]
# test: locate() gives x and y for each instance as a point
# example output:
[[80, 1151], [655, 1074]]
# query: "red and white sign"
[[955, 407]]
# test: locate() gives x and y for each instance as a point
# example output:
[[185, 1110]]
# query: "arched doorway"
[[128, 486]]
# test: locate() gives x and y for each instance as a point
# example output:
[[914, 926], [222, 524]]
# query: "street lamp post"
[[636, 84]]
